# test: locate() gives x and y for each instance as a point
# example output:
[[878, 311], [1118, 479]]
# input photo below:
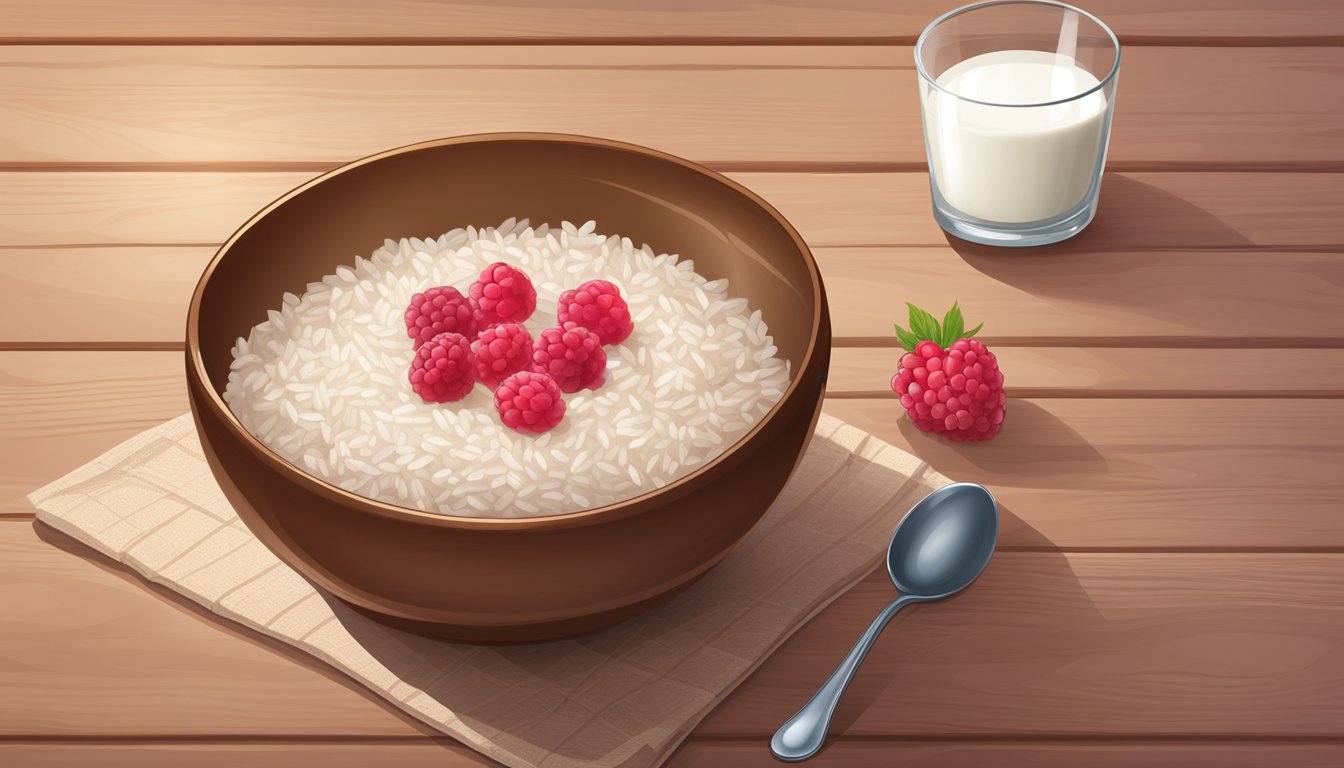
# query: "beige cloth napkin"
[[626, 696]]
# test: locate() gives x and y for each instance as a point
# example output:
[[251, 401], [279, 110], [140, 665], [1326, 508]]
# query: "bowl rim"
[[220, 410]]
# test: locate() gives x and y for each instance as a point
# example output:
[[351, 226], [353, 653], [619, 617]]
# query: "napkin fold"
[[625, 696]]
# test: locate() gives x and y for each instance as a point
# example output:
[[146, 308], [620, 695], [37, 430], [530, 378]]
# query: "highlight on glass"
[[1017, 98]]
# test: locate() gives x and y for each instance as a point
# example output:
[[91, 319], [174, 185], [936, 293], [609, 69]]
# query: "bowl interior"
[[429, 189]]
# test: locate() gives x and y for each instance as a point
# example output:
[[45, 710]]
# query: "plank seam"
[[841, 342], [1117, 342], [150, 739], [1128, 250], [72, 246], [1078, 393], [1019, 549], [1326, 249], [1152, 41], [1057, 738], [92, 346], [1326, 166]]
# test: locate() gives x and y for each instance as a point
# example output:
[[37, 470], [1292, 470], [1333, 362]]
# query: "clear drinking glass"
[[1017, 97]]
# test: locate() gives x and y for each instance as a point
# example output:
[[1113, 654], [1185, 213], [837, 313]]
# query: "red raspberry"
[[502, 350], [439, 310], [529, 402], [572, 355], [957, 392], [597, 305], [443, 370], [503, 294]]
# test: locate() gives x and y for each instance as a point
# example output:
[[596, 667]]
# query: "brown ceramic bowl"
[[508, 580]]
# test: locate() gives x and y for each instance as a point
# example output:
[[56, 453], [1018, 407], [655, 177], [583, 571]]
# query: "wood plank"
[[1120, 373], [1052, 296], [1111, 645], [229, 754], [1045, 644], [334, 104], [40, 209], [88, 649], [1155, 473], [752, 753], [138, 295], [98, 295], [851, 753], [1139, 211], [1136, 21], [331, 104], [61, 410]]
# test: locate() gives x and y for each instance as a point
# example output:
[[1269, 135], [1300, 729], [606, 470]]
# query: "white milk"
[[1014, 164]]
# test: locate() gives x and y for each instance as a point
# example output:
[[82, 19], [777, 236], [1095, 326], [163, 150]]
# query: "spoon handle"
[[804, 733]]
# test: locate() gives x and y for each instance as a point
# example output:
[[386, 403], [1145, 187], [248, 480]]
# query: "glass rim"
[[923, 37]]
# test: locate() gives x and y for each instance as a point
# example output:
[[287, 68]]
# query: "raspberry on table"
[[529, 402], [439, 310], [597, 305], [443, 370], [502, 350], [572, 355], [955, 392], [502, 294]]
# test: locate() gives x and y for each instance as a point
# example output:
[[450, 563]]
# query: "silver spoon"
[[939, 547]]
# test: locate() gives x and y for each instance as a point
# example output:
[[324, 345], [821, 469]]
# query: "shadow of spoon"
[[940, 547]]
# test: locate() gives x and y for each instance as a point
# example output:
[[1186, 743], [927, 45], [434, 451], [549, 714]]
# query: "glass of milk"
[[1017, 97]]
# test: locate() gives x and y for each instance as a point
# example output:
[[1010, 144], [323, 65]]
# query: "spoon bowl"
[[944, 542], [940, 547]]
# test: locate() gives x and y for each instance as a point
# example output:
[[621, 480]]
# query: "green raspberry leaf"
[[922, 324], [916, 321], [907, 339], [973, 331], [953, 326]]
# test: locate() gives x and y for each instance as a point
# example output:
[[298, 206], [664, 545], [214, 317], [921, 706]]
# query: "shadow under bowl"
[[509, 580]]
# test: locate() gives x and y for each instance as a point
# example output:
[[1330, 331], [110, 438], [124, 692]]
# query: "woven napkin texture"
[[625, 696]]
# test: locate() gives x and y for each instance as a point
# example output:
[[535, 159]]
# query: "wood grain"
[[137, 295], [1166, 592], [324, 104], [204, 754], [1154, 473], [60, 410], [1136, 21], [1139, 211], [121, 294], [1053, 296], [333, 105], [963, 753], [87, 650], [1149, 474], [745, 753], [1071, 644], [1043, 644], [1108, 372]]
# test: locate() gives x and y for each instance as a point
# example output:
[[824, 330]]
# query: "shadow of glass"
[[1100, 266], [1131, 214], [929, 649]]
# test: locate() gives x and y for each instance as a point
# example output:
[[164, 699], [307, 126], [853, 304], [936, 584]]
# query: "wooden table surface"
[[1168, 585]]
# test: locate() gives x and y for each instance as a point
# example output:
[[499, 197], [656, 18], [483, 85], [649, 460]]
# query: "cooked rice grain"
[[322, 381]]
